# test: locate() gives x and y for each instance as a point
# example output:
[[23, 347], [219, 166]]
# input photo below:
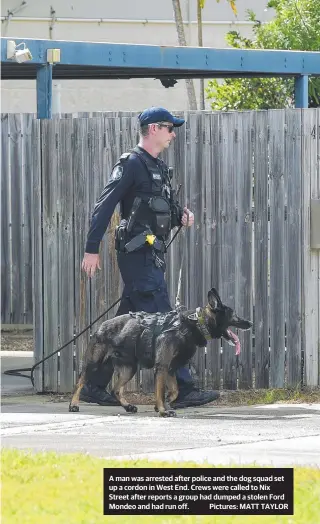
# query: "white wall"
[[131, 21]]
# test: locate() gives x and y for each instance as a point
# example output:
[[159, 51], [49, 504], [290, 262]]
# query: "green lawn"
[[67, 489]]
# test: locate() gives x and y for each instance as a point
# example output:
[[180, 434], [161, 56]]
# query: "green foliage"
[[296, 26]]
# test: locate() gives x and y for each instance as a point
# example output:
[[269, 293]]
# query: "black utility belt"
[[144, 239]]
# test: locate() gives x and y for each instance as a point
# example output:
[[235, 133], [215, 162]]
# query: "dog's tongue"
[[236, 340]]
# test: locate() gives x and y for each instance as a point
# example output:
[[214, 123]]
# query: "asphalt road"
[[278, 435]]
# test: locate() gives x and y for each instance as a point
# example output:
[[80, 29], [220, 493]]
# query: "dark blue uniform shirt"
[[121, 187]]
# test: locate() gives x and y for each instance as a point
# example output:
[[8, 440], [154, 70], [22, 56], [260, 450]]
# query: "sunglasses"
[[170, 127]]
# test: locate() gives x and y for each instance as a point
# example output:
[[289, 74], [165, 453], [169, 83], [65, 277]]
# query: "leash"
[[18, 372], [177, 302], [179, 228], [174, 236]]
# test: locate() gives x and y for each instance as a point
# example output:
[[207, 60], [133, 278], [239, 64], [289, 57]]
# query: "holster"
[[121, 236], [140, 241], [137, 242]]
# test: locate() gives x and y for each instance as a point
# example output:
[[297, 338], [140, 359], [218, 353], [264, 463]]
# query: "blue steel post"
[[301, 91], [44, 91]]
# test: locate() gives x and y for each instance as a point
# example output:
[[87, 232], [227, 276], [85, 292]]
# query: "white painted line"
[[61, 425], [245, 416], [292, 406], [16, 354], [27, 423]]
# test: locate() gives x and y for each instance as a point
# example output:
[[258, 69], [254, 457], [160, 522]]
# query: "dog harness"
[[200, 319], [153, 324]]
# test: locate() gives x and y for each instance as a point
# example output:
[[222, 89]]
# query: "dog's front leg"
[[172, 387], [161, 376], [124, 374], [74, 404]]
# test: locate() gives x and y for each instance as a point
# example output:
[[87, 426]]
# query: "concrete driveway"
[[278, 435]]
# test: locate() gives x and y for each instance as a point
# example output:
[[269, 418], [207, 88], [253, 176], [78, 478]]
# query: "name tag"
[[156, 176]]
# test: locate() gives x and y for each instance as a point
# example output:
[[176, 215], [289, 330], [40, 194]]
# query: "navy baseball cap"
[[153, 115]]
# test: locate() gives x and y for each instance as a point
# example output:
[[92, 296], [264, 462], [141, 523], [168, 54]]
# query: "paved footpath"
[[278, 435]]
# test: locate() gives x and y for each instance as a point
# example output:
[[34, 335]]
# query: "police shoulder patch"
[[117, 172]]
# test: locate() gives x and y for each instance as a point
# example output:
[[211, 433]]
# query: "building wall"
[[138, 21]]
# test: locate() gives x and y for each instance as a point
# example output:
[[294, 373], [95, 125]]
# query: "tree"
[[182, 42], [296, 26], [200, 6]]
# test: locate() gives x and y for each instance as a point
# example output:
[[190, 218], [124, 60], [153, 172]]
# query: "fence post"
[[37, 253], [310, 257]]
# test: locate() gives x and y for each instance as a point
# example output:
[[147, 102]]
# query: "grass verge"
[[68, 489], [271, 396]]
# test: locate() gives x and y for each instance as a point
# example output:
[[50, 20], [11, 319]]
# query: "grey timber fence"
[[249, 179]]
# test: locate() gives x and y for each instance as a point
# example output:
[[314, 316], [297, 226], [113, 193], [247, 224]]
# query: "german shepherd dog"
[[164, 342]]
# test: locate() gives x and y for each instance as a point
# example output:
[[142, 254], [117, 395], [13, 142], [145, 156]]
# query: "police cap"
[[154, 115]]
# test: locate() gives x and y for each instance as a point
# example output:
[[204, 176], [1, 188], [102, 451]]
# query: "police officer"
[[140, 182]]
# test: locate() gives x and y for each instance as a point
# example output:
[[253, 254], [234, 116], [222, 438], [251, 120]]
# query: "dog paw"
[[73, 409], [166, 406], [167, 413], [130, 408]]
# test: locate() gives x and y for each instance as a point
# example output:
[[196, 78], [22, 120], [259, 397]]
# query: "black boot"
[[97, 395], [190, 396]]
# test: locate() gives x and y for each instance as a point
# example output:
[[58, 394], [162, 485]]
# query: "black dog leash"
[[17, 372], [174, 236]]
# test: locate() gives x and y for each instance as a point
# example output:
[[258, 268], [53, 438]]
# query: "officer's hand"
[[90, 263], [185, 221]]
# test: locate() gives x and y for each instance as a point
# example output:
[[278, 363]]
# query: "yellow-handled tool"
[[150, 239]]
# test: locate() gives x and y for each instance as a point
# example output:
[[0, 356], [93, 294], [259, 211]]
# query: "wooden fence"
[[249, 178], [16, 215]]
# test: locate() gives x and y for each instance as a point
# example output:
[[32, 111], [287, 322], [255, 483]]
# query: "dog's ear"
[[213, 298]]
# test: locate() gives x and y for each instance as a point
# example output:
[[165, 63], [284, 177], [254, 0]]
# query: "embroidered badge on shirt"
[[156, 176], [117, 173]]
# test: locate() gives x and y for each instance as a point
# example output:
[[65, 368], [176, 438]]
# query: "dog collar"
[[200, 319]]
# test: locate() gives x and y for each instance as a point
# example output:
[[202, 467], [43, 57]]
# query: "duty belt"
[[145, 238]]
